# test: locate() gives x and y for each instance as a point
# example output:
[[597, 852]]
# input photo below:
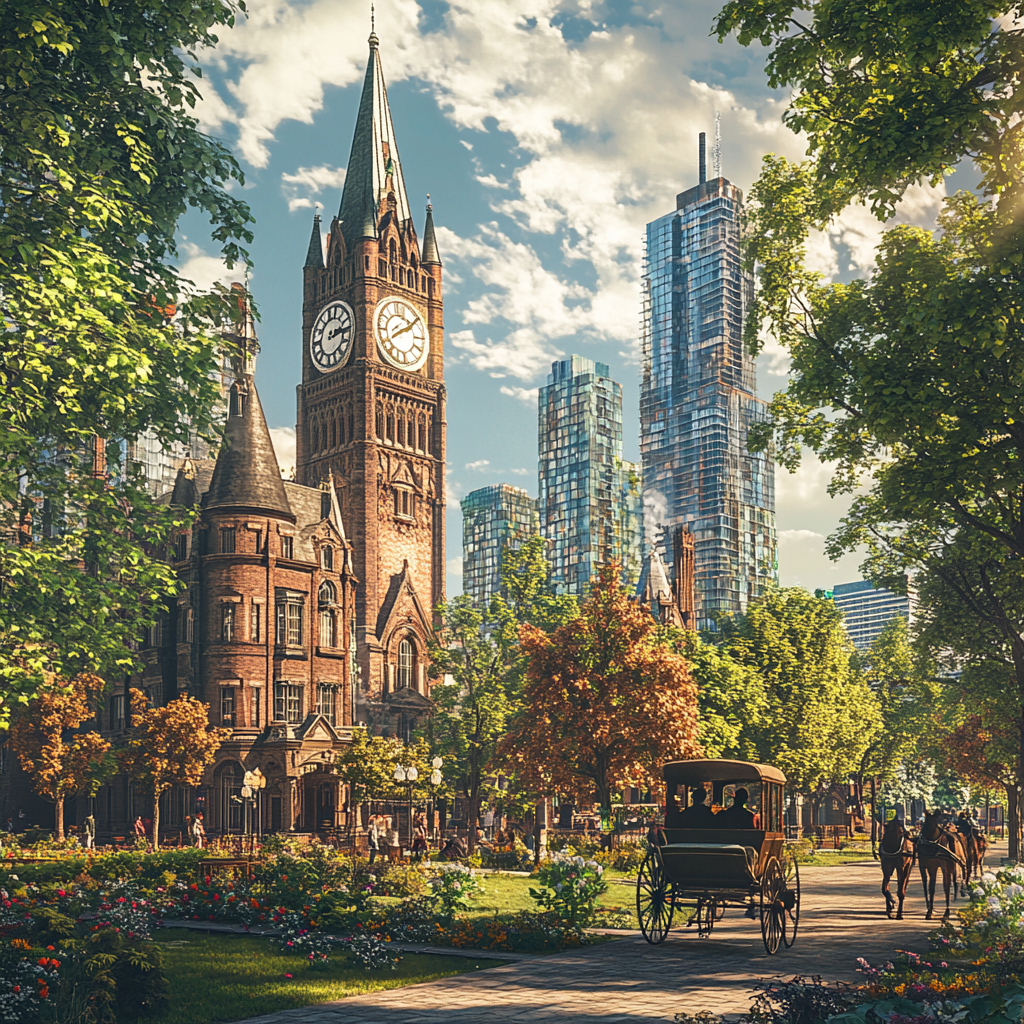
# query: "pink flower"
[[287, 975]]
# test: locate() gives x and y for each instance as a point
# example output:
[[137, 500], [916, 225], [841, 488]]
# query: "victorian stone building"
[[371, 409], [307, 606]]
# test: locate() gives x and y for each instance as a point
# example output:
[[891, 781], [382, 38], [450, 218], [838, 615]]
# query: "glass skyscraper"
[[590, 498], [494, 520], [697, 400], [868, 610]]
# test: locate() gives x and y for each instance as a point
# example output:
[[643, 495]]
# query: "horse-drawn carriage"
[[701, 860]]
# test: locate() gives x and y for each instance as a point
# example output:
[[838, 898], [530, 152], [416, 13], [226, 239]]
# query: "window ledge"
[[332, 652], [284, 651]]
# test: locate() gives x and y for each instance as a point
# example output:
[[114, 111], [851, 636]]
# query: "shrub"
[[297, 937], [372, 953], [453, 886], [626, 857], [402, 880], [571, 888], [800, 1000]]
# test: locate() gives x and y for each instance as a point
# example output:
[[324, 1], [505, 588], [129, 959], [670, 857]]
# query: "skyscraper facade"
[[494, 520], [868, 610], [590, 498], [698, 401]]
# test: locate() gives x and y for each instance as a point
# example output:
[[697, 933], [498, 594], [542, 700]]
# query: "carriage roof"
[[720, 770]]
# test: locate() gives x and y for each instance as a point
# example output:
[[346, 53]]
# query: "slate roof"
[[247, 477], [366, 174]]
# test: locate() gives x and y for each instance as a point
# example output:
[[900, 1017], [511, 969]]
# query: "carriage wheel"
[[791, 898], [653, 905], [773, 911]]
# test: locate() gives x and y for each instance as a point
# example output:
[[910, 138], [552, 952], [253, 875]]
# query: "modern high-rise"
[[494, 520], [868, 610], [698, 401], [590, 498]]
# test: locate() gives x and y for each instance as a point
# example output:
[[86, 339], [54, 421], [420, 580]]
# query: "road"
[[626, 980]]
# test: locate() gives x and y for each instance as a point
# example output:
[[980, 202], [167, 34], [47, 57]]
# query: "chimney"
[[703, 159]]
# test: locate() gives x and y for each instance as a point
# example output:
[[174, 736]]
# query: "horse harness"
[[932, 848], [899, 852]]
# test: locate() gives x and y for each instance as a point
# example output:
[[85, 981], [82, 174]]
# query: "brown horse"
[[977, 847], [939, 848], [896, 852]]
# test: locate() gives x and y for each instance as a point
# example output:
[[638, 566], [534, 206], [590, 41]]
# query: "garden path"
[[626, 980]]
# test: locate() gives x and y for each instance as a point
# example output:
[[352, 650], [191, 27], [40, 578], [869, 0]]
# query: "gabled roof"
[[247, 476], [373, 159]]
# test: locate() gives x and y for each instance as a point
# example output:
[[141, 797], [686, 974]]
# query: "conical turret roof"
[[430, 253], [247, 477], [315, 252], [374, 169]]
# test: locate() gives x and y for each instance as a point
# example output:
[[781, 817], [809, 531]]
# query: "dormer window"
[[327, 558], [236, 402]]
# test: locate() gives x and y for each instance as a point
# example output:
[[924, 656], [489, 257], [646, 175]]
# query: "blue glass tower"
[[698, 400]]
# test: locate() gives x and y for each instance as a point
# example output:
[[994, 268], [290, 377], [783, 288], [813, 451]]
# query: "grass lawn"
[[508, 894], [232, 977]]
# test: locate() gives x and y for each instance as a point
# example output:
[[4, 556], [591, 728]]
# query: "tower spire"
[[315, 252], [430, 253], [374, 182]]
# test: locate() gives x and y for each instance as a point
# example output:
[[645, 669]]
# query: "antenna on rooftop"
[[716, 153]]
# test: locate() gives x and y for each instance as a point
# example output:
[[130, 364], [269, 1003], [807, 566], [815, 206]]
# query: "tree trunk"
[[874, 817], [156, 819], [58, 808], [1012, 816], [472, 814]]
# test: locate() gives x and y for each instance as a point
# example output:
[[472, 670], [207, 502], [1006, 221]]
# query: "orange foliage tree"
[[985, 755], [169, 746], [607, 700], [62, 763]]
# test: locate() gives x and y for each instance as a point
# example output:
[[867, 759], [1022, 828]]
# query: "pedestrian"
[[198, 832], [373, 837], [394, 842], [419, 843], [90, 832], [488, 822], [189, 838]]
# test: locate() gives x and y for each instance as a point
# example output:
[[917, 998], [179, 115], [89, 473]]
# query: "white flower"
[[988, 877]]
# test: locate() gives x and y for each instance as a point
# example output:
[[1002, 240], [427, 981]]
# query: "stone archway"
[[320, 801]]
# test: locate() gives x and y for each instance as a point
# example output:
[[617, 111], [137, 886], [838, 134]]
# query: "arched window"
[[334, 434], [401, 429], [393, 250], [423, 436], [229, 786], [326, 592], [405, 664]]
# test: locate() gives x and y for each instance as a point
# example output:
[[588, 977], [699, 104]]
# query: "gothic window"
[[393, 251], [351, 426], [327, 628], [334, 435], [181, 547], [327, 560], [236, 402], [391, 426], [430, 287], [401, 430], [341, 430], [188, 625], [423, 435], [404, 503], [227, 541], [227, 622], [154, 635], [380, 422], [405, 664]]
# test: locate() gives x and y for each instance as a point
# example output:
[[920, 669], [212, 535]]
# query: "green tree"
[[732, 698], [819, 715], [482, 663], [102, 339]]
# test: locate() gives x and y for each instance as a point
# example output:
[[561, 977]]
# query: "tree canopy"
[[101, 156], [607, 700]]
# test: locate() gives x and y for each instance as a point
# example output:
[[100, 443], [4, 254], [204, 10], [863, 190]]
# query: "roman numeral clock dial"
[[330, 341], [401, 334]]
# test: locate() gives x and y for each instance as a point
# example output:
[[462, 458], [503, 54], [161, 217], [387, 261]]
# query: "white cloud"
[[204, 270], [300, 188], [479, 466], [283, 439], [520, 472], [528, 395]]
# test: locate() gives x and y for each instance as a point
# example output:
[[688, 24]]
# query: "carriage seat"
[[713, 857]]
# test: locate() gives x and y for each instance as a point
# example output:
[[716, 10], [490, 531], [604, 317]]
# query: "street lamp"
[[409, 776], [253, 783], [435, 780]]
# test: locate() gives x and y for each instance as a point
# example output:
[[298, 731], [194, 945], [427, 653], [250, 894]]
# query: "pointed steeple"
[[430, 253], [374, 172], [246, 477], [315, 253]]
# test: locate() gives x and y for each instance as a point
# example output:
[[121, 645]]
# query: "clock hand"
[[407, 327]]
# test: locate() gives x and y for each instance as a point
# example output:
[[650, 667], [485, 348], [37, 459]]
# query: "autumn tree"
[[607, 700], [169, 746], [479, 651], [102, 155], [61, 761]]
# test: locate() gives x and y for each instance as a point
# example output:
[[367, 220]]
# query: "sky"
[[547, 135]]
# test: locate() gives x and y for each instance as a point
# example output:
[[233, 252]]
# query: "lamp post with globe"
[[408, 776], [436, 778]]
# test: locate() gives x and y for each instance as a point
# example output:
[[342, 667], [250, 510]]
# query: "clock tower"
[[371, 410]]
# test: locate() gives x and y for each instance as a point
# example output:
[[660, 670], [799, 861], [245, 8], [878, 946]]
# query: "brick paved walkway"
[[626, 980]]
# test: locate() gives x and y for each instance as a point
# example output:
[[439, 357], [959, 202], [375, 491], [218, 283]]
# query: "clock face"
[[400, 333], [330, 341]]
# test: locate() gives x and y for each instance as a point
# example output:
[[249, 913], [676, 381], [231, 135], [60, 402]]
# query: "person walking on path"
[[394, 842], [90, 832], [198, 832], [419, 843], [373, 837]]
